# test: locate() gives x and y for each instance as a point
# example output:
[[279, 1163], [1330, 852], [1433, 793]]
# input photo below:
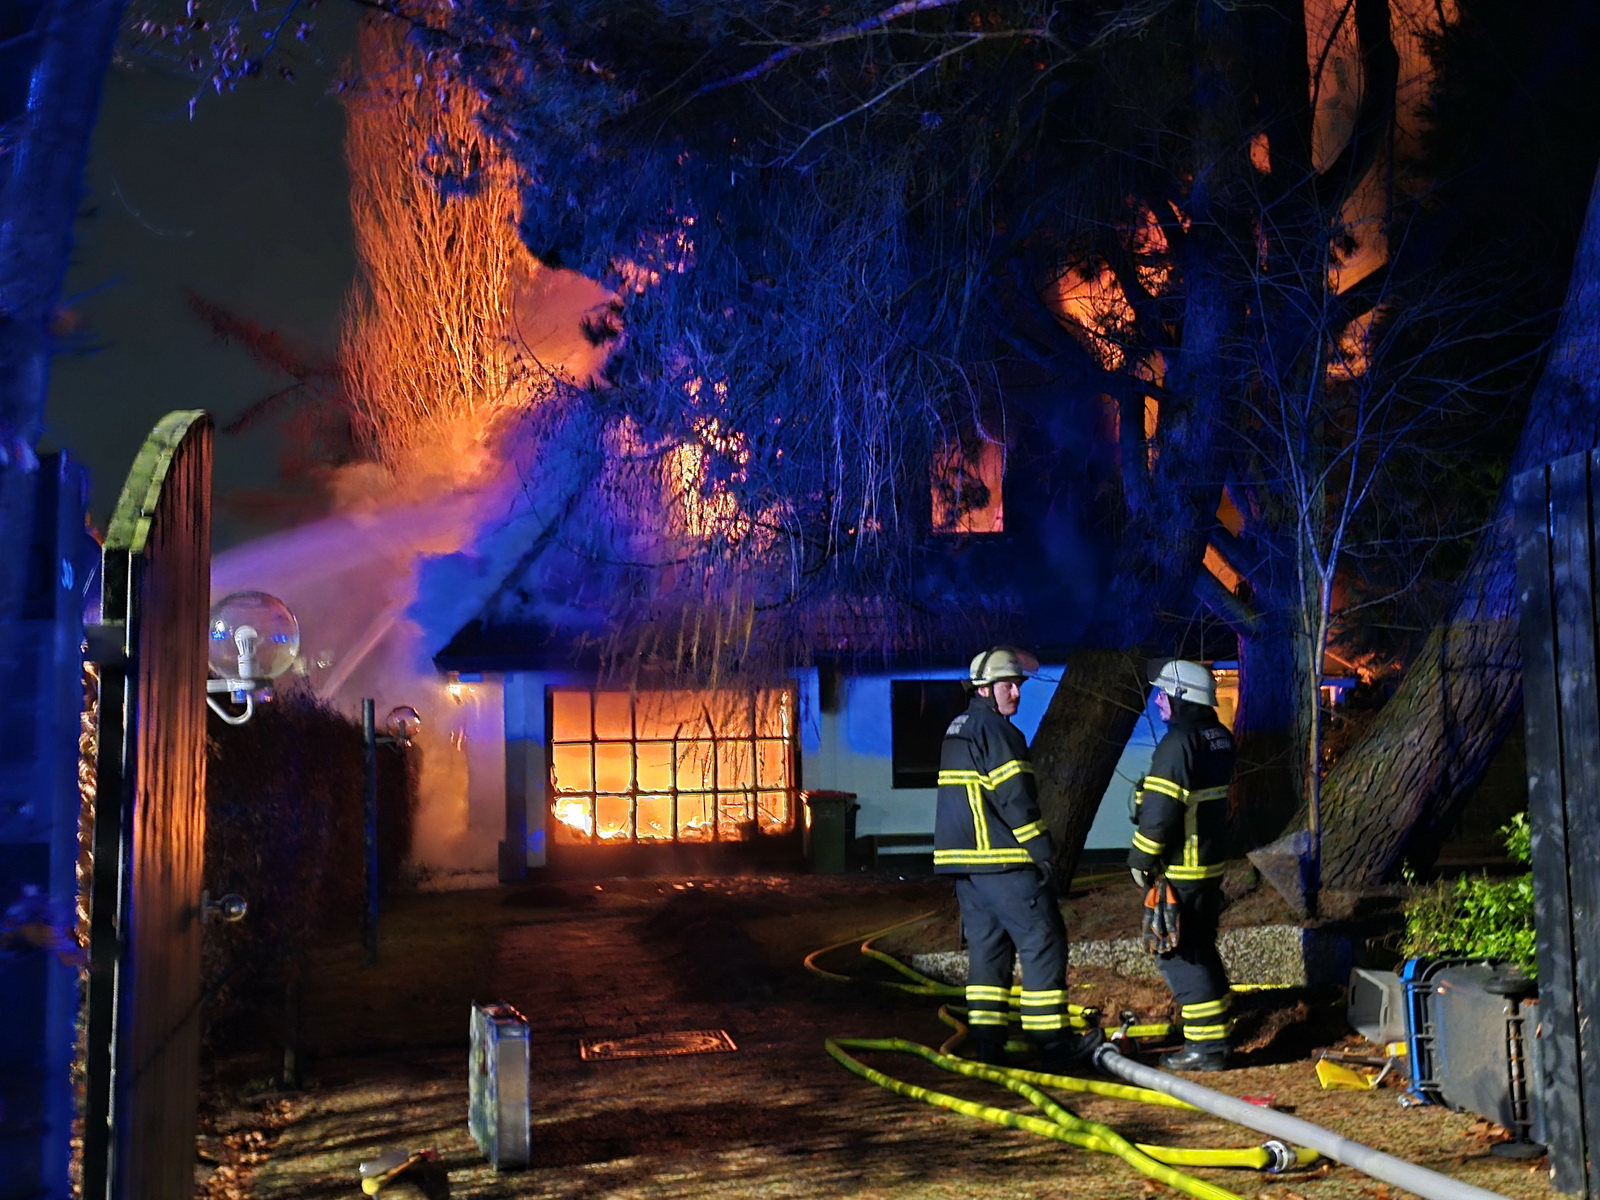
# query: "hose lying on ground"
[[1430, 1185], [1156, 1161], [1150, 1086], [1063, 1126]]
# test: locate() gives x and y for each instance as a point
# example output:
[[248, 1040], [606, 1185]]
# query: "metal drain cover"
[[658, 1045]]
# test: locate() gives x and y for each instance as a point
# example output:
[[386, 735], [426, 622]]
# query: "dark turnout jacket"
[[1183, 809], [988, 808]]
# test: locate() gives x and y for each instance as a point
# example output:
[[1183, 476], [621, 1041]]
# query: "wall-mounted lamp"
[[252, 639], [401, 726]]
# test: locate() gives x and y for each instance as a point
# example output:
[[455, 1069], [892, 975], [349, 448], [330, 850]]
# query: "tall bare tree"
[[428, 352], [1435, 738]]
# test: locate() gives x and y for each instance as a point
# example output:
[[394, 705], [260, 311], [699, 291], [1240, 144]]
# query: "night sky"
[[246, 205]]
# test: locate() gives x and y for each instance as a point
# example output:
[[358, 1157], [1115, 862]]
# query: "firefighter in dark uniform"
[[1182, 818], [989, 835]]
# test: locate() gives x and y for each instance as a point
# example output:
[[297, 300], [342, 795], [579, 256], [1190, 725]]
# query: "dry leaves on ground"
[[237, 1152], [1485, 1133]]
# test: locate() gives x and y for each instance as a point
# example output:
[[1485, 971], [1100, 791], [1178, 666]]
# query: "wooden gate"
[[1558, 536], [145, 989]]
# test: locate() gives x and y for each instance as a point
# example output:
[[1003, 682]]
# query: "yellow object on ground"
[[1332, 1076], [374, 1184]]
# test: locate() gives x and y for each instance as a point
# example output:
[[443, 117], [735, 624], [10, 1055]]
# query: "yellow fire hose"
[[1158, 1162]]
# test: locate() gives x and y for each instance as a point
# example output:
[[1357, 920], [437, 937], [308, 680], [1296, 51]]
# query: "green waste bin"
[[830, 830]]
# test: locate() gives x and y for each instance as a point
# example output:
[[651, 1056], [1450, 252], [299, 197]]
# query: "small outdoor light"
[[253, 638], [401, 726]]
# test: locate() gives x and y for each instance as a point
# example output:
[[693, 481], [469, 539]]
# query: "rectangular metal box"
[[498, 1113]]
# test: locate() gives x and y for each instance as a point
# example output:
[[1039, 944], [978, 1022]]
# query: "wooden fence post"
[[1555, 518]]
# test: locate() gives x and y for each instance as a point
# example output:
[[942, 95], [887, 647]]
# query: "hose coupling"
[[1282, 1155], [1127, 1016]]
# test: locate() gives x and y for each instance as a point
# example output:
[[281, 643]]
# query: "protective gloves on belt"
[[1161, 918]]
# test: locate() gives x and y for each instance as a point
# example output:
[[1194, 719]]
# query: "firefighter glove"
[[1161, 930]]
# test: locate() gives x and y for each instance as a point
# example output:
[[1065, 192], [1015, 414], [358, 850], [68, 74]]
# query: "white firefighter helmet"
[[1002, 662], [1184, 680]]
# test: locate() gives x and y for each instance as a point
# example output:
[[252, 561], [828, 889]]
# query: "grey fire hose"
[[1428, 1184]]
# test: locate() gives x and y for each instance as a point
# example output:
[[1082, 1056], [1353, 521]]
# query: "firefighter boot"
[[985, 1045], [1198, 1058], [1071, 1053]]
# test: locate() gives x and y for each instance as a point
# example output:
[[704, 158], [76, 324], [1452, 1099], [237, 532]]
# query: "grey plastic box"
[[1480, 1047], [497, 1090], [1376, 1005]]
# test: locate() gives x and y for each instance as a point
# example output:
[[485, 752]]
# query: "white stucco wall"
[[854, 753], [848, 747]]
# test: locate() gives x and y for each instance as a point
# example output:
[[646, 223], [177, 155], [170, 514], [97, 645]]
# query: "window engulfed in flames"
[[670, 766], [967, 483]]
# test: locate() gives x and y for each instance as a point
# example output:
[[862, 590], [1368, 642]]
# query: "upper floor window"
[[967, 480]]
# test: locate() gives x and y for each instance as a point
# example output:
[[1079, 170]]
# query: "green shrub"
[[1474, 916]]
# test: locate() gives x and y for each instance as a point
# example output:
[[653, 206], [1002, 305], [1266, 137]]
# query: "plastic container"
[[386, 1161], [1376, 1005], [830, 831], [1473, 1043]]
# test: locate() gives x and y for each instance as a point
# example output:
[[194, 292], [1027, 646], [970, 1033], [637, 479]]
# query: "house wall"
[[850, 749], [844, 745], [528, 767]]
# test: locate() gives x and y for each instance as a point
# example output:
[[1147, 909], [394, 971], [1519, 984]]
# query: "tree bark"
[[1433, 741], [1266, 729], [59, 59], [1090, 719], [1269, 724], [1170, 497]]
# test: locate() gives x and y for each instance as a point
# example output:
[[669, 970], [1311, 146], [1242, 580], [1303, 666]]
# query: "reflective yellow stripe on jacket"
[[1189, 868], [1031, 830], [990, 781], [981, 858], [984, 854]]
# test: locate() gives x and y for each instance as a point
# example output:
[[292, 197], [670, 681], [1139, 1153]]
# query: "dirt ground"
[[386, 1054]]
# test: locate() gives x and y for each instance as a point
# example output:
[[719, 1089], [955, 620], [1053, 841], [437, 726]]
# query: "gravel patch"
[[1282, 954]]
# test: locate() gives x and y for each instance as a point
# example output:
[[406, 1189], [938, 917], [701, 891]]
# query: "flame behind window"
[[967, 482], [670, 766]]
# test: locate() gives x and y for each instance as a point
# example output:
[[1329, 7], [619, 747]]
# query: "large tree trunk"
[[53, 56], [1089, 721], [1433, 741], [1170, 502], [1270, 724], [1267, 731]]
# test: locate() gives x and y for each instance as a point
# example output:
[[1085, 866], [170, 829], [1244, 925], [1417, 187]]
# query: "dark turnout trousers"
[[1194, 970], [1007, 914]]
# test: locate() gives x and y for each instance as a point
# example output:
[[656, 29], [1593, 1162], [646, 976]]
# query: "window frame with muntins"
[[619, 808]]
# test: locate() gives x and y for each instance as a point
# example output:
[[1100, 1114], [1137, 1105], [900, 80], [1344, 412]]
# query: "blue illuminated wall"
[[851, 750], [845, 746]]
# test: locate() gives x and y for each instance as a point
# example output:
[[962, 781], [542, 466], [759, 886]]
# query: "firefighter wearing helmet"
[[989, 835], [1182, 819]]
